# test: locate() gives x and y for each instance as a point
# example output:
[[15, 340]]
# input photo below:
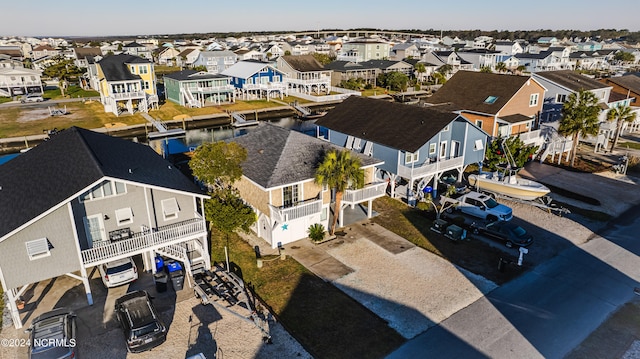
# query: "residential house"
[[18, 80], [404, 50], [305, 74], [416, 143], [216, 61], [81, 54], [197, 89], [278, 182], [276, 50], [542, 61], [167, 56], [104, 199], [14, 52], [508, 47], [560, 84], [187, 57], [346, 70], [319, 47], [590, 60], [246, 54], [127, 84], [387, 66], [499, 104], [43, 51], [136, 49], [255, 79], [451, 58], [629, 85], [7, 62], [479, 58], [552, 40], [364, 50]]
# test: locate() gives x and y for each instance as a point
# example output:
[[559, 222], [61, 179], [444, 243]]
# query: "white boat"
[[510, 185]]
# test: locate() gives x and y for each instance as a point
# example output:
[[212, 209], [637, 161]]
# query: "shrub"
[[316, 232]]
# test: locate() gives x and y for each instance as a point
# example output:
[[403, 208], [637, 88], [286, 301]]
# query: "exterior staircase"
[[191, 101]]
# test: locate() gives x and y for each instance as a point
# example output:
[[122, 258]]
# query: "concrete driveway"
[[193, 328]]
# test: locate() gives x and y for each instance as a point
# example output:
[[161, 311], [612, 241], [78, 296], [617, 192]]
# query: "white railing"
[[431, 168], [210, 89], [369, 192], [174, 251], [324, 80], [269, 86], [144, 241], [299, 210], [20, 84], [128, 95]]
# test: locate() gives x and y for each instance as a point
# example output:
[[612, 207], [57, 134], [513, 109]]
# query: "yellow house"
[[127, 84]]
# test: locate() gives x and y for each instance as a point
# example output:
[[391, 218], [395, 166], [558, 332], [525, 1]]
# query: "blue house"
[[257, 79], [417, 144]]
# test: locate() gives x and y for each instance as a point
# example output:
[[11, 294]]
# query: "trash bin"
[[159, 263], [177, 280], [173, 266], [161, 281], [427, 190], [454, 232]]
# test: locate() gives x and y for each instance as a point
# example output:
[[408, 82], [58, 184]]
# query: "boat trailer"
[[544, 202], [225, 290]]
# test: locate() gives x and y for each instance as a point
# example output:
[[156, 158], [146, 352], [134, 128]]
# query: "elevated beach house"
[[417, 144], [192, 88], [256, 79], [127, 84], [305, 74], [83, 198], [278, 182]]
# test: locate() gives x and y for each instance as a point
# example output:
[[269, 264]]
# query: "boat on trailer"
[[508, 184]]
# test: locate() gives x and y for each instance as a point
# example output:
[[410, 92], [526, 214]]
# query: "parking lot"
[[193, 328]]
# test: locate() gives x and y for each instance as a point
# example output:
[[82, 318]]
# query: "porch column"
[[15, 315], [370, 208]]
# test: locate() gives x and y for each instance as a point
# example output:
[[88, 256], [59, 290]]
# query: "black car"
[[53, 335], [506, 232], [140, 322]]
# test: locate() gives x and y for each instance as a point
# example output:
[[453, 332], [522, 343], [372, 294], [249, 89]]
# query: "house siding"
[[256, 196], [519, 103], [488, 122], [19, 270]]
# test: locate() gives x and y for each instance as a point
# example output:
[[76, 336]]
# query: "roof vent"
[[130, 170], [260, 151]]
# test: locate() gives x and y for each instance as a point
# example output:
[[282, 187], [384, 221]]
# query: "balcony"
[[320, 80], [299, 210], [20, 84], [144, 241], [128, 95], [212, 89], [281, 86], [369, 192], [430, 168]]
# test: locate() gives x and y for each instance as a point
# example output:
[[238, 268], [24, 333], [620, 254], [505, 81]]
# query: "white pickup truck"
[[478, 205]]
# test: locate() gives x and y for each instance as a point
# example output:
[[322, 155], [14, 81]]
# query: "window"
[[143, 69], [124, 216], [133, 69], [443, 149], [105, 189], [446, 128], [432, 149], [38, 248], [479, 123], [411, 157], [491, 99], [533, 99], [561, 98], [323, 215], [478, 145], [290, 195], [170, 208]]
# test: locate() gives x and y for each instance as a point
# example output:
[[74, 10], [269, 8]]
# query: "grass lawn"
[[72, 92], [327, 322], [413, 224], [376, 91], [632, 145]]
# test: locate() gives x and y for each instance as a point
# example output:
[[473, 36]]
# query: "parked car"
[[53, 335], [508, 233], [140, 322], [118, 272], [32, 97]]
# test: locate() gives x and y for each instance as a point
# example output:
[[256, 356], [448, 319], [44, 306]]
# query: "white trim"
[[38, 248]]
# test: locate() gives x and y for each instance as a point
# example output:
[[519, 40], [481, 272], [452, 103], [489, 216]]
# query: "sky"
[[119, 17]]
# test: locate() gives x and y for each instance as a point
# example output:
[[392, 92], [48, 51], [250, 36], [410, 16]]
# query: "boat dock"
[[163, 131], [240, 120]]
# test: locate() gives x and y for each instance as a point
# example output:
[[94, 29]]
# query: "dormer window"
[[490, 100]]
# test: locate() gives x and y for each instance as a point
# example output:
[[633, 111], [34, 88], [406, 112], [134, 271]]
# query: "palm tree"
[[579, 118], [420, 69], [339, 171], [520, 69], [621, 114], [501, 67]]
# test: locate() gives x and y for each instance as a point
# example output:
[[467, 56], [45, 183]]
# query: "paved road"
[[547, 312]]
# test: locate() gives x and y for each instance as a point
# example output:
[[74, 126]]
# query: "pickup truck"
[[478, 205]]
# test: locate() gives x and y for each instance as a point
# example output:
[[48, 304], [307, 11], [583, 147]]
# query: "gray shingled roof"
[[115, 67], [70, 161], [303, 63], [630, 82], [469, 90], [571, 80], [395, 125], [277, 156], [185, 75]]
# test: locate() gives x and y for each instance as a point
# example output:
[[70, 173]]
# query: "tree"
[[323, 59], [486, 69], [62, 69], [217, 164], [445, 69], [200, 68], [339, 171], [287, 53], [579, 118], [501, 67], [623, 56], [520, 69], [496, 152], [394, 80], [420, 69], [621, 115]]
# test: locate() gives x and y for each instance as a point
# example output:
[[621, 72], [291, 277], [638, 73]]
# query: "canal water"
[[196, 137]]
